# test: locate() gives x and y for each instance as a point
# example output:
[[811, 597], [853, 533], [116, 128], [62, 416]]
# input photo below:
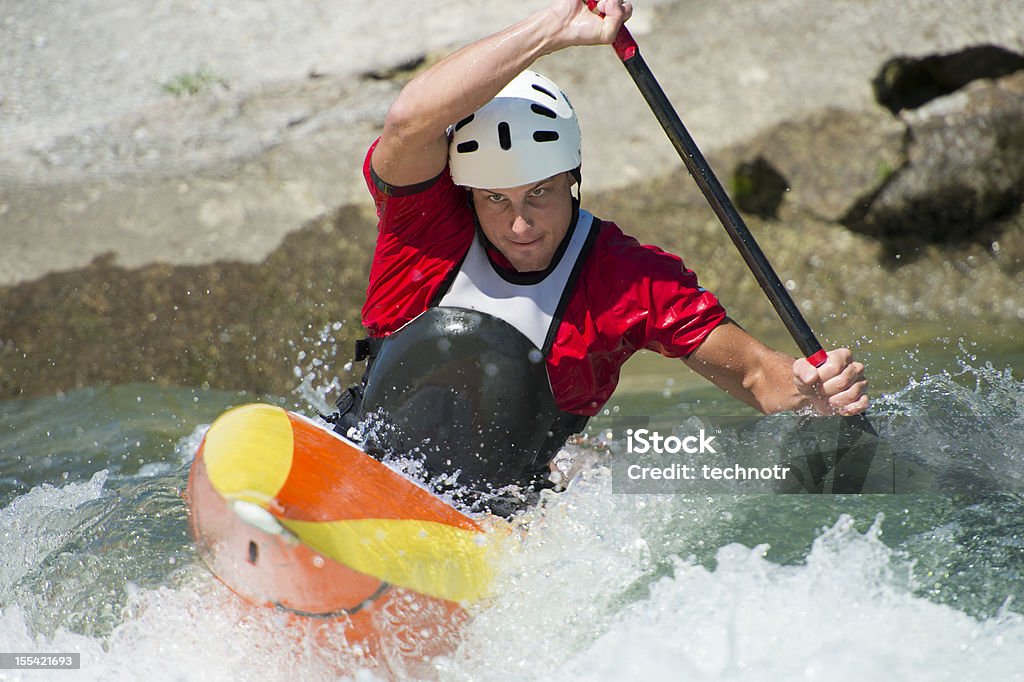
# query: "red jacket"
[[628, 296]]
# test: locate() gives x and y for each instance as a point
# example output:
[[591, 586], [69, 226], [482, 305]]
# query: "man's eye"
[[495, 197], [539, 192]]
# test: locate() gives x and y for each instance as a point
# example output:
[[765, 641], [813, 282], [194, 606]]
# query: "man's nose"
[[521, 224]]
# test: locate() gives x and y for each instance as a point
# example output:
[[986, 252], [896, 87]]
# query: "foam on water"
[[846, 614], [197, 632], [587, 602], [586, 596], [39, 523]]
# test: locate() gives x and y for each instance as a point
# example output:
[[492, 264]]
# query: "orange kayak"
[[292, 516]]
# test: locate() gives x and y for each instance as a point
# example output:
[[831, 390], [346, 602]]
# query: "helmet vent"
[[542, 110], [464, 122], [467, 147], [547, 92], [545, 136], [504, 136]]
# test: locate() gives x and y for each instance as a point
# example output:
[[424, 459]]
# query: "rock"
[[832, 162], [225, 324], [758, 188], [940, 173], [87, 129], [964, 168], [908, 83], [192, 181]]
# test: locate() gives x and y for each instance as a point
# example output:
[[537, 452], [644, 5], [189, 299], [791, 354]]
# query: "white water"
[[603, 586], [576, 602]]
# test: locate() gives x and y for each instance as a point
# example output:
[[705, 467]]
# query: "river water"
[[96, 558]]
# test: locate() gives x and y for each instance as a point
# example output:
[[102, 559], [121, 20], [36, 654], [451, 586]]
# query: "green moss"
[[885, 171], [189, 84]]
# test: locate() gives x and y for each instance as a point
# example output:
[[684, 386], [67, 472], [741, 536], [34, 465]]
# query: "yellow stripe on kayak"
[[264, 434], [431, 558]]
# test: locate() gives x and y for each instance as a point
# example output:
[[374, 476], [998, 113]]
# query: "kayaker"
[[499, 312]]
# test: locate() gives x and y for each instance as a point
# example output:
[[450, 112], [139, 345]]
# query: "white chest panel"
[[530, 308]]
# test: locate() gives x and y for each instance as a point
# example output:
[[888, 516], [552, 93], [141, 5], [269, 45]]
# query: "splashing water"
[[317, 369], [602, 586]]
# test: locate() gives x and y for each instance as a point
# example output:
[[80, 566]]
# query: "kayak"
[[292, 516]]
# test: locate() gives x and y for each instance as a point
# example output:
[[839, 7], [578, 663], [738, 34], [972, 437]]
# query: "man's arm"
[[414, 147], [771, 381]]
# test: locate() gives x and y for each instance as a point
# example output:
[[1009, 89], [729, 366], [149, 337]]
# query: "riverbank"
[[264, 327], [178, 206]]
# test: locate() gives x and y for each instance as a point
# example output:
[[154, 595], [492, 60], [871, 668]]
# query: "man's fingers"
[[611, 7], [838, 386], [615, 13], [805, 374], [844, 379], [856, 407], [851, 398], [837, 362]]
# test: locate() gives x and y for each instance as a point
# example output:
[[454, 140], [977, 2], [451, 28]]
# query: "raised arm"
[[414, 148]]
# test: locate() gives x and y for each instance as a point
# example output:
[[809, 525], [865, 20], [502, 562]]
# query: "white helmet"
[[528, 132]]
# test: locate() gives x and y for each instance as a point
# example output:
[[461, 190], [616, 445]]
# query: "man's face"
[[526, 223]]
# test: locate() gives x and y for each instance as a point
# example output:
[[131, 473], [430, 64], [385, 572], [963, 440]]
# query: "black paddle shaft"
[[628, 51], [724, 209]]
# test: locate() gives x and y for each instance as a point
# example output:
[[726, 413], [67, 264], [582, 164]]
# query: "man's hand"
[[837, 387], [580, 26]]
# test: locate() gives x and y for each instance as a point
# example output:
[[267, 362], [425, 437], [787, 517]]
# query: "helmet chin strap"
[[578, 177]]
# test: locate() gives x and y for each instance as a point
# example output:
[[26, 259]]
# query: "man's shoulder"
[[628, 251], [438, 190]]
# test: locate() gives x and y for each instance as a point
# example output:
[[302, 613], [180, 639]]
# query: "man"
[[499, 311]]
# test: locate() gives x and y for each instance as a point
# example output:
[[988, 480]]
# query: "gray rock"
[[908, 83], [936, 174], [964, 168], [833, 161]]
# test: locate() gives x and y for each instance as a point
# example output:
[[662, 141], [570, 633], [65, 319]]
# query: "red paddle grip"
[[624, 45], [818, 359]]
